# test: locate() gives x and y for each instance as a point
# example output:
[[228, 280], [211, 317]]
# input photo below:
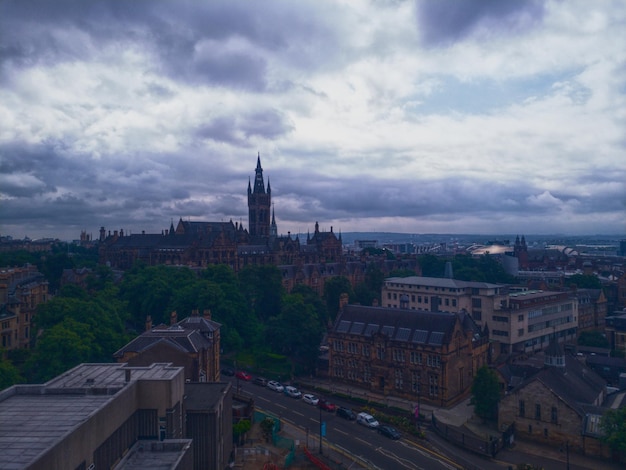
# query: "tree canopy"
[[486, 393], [613, 423]]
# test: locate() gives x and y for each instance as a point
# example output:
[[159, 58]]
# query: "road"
[[347, 436]]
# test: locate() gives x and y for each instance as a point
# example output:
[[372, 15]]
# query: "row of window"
[[553, 412], [399, 379], [397, 354]]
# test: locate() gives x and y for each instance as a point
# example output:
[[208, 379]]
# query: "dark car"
[[260, 381], [389, 431], [326, 405], [228, 371], [346, 413]]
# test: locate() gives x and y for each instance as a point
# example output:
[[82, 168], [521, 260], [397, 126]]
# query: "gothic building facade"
[[198, 244]]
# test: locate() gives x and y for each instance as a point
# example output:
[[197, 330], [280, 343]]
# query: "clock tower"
[[259, 204]]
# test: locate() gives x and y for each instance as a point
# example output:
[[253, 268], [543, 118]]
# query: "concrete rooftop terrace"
[[33, 418]]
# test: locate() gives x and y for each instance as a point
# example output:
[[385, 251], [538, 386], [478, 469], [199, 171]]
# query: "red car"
[[243, 375], [326, 405]]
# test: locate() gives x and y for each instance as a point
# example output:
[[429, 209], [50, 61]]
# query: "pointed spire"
[[269, 190], [249, 186]]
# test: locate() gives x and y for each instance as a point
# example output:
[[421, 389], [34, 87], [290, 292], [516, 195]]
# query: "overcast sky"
[[447, 116]]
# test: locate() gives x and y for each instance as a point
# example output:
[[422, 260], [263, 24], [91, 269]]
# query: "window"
[[380, 352], [366, 350], [454, 302], [398, 379], [554, 416], [520, 332], [522, 409], [416, 357], [415, 377], [433, 386], [447, 302], [538, 412], [398, 355], [419, 299], [353, 348], [477, 316], [520, 318], [477, 303]]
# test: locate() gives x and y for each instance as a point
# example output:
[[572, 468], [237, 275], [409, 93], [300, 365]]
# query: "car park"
[[367, 420], [326, 405], [389, 431], [243, 375], [346, 413], [261, 381], [310, 399], [292, 392], [276, 386]]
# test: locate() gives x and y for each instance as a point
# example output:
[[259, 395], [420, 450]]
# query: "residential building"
[[414, 354], [592, 309], [560, 404], [192, 343], [519, 321], [616, 331], [21, 291]]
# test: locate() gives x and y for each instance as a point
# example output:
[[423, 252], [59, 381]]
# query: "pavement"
[[462, 416]]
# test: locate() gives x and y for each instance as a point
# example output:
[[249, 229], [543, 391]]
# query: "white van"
[[367, 420]]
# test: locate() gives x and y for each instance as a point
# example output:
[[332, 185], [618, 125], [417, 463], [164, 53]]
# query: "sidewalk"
[[461, 416]]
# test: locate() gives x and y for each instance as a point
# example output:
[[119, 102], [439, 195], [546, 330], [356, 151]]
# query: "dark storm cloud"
[[219, 43], [443, 22], [238, 128]]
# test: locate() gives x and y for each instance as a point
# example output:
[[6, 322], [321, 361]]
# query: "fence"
[[461, 438]]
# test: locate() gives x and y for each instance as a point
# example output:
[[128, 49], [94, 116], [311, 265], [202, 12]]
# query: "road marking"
[[403, 462], [364, 442], [296, 413], [340, 431], [442, 459]]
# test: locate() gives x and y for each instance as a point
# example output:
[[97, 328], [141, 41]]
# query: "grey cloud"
[[269, 124], [443, 22]]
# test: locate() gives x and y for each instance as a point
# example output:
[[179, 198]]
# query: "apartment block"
[[517, 321]]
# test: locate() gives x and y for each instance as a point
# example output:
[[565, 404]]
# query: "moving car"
[[389, 431], [243, 375], [310, 399], [326, 405], [273, 385], [367, 420], [346, 413], [292, 392], [260, 381]]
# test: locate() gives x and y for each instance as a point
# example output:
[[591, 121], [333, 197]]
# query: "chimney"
[[207, 314], [173, 318], [343, 301], [148, 323]]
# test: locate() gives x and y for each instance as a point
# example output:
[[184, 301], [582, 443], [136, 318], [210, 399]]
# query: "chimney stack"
[[343, 300], [173, 318], [148, 323], [207, 314]]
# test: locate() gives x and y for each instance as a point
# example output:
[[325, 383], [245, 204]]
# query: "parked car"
[[261, 381], [346, 413], [367, 420], [389, 431], [243, 375], [276, 386], [292, 392], [326, 405], [310, 399], [228, 371]]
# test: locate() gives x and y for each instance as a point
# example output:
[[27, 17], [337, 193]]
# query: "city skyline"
[[483, 117]]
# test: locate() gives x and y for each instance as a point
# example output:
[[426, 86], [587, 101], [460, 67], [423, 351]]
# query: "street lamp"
[[318, 405], [416, 386]]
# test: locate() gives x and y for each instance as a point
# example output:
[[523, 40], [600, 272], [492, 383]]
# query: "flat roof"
[[34, 418]]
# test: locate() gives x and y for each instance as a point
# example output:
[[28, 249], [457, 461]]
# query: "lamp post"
[[416, 387], [318, 405]]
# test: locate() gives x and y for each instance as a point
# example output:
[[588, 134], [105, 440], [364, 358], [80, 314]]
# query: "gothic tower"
[[259, 204]]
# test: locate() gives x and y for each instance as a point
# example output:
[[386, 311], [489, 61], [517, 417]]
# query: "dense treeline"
[[257, 315]]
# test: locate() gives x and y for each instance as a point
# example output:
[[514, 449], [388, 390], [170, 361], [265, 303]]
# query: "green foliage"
[[262, 288], [296, 331], [432, 266], [366, 292], [585, 281], [267, 428], [613, 424], [486, 393], [593, 339], [402, 273], [333, 288], [240, 429], [9, 374]]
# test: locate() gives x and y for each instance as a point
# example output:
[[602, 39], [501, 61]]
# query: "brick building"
[[21, 291], [192, 343], [411, 354]]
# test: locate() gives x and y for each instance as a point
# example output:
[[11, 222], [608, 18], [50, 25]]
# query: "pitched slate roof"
[[186, 340], [417, 326]]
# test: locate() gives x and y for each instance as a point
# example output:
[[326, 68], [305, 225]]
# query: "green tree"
[[333, 288], [60, 348], [432, 266], [613, 424], [9, 374], [296, 332], [593, 339], [262, 288], [486, 393], [585, 281]]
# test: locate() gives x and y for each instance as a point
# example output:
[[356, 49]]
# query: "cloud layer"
[[451, 117]]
